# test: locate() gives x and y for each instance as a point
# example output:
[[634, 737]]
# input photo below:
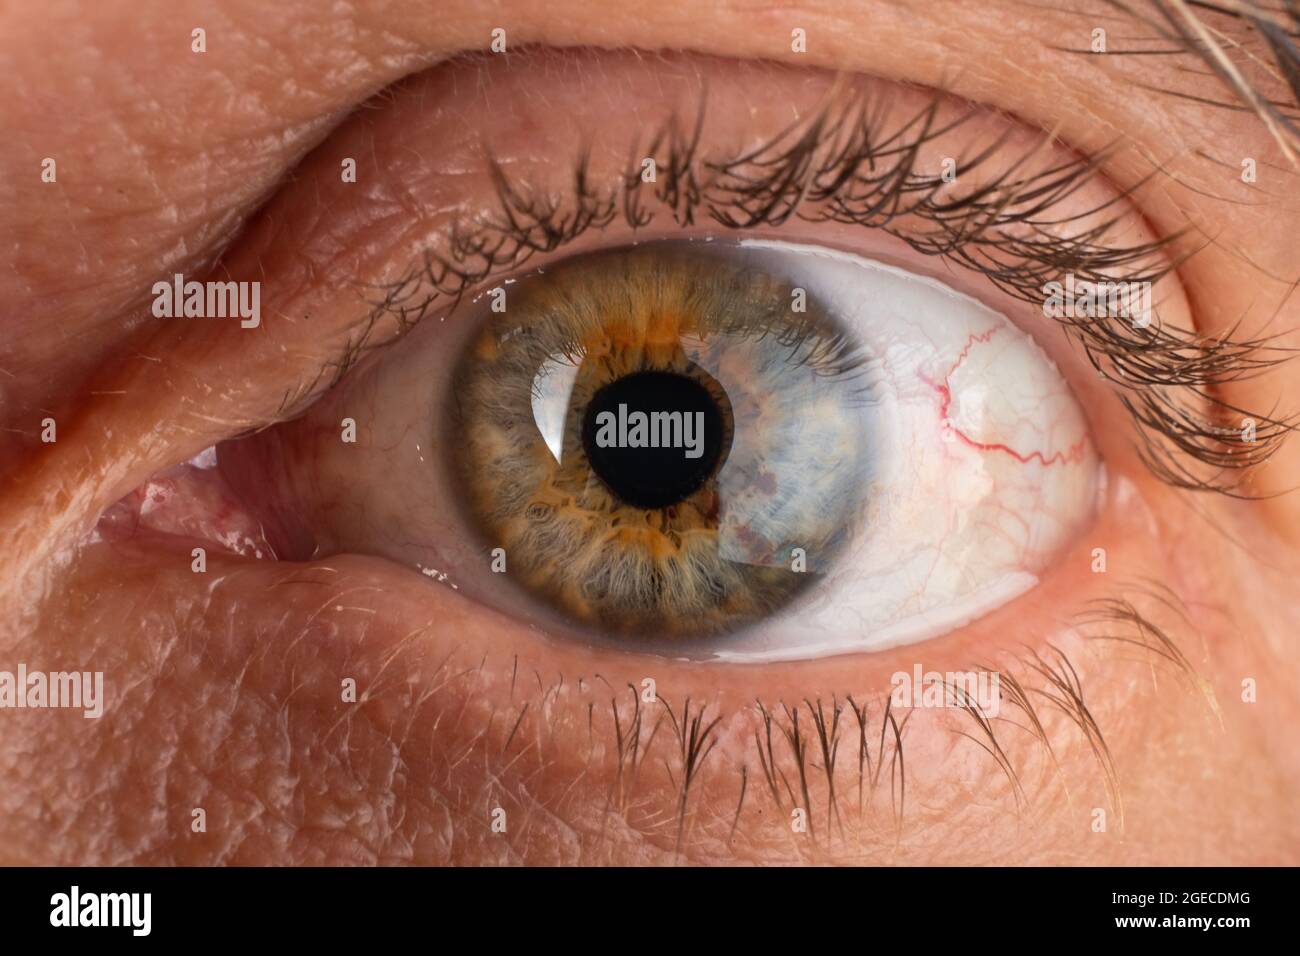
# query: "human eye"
[[895, 459], [878, 458], [926, 387]]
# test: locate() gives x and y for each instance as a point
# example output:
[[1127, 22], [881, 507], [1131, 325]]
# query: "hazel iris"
[[666, 441]]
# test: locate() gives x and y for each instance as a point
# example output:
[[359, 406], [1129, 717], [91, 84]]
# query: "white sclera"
[[982, 466]]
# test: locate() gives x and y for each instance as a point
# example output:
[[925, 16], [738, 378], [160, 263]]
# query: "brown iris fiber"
[[670, 571]]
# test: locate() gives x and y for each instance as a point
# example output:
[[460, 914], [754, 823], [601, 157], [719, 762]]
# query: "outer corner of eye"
[[760, 451]]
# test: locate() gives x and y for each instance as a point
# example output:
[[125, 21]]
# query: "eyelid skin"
[[419, 200]]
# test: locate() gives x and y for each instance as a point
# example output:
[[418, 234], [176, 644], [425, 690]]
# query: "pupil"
[[627, 418]]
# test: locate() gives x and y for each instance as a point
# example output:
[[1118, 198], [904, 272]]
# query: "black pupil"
[[671, 409]]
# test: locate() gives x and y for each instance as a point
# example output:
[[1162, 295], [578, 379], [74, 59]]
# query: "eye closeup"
[[680, 445], [726, 443], [713, 435]]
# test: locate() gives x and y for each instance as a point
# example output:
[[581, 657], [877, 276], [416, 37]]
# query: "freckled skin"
[[225, 689]]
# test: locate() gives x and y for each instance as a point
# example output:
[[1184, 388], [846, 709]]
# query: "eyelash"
[[836, 165], [797, 754]]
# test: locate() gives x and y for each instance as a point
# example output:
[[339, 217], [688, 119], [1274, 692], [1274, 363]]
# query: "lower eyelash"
[[846, 762], [1047, 682]]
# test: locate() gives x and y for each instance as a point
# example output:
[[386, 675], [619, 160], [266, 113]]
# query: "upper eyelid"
[[1165, 378]]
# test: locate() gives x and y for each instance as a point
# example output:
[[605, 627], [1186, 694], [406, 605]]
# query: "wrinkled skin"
[[224, 688]]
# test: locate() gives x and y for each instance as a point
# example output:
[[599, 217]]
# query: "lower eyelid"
[[442, 681], [370, 612]]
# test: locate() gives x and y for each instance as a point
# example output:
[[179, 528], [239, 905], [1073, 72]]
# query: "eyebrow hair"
[[1251, 48], [843, 163]]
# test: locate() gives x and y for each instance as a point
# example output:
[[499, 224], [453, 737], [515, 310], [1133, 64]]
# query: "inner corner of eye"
[[761, 450]]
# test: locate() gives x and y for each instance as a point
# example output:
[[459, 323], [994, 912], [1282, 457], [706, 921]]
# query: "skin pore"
[[224, 687]]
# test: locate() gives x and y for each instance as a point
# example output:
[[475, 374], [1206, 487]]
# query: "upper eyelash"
[[841, 164]]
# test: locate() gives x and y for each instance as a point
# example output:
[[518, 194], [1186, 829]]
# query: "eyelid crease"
[[840, 164]]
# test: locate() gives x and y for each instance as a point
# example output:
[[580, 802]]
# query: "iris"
[[666, 440]]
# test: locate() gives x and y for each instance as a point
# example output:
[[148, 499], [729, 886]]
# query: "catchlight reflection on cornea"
[[763, 451]]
